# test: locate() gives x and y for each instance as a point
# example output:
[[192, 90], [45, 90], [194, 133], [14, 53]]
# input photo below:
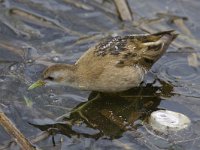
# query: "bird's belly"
[[117, 80]]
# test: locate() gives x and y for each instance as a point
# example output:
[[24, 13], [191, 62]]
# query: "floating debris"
[[165, 121]]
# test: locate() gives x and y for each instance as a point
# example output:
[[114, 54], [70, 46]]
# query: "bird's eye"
[[49, 78]]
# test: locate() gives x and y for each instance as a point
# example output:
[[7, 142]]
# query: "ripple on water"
[[180, 74]]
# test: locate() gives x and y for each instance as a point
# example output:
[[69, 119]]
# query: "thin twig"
[[179, 22], [33, 139], [15, 133], [39, 137], [123, 9]]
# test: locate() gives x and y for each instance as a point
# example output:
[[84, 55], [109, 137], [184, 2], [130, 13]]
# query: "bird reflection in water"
[[110, 115]]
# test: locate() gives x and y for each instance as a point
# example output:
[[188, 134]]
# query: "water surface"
[[35, 34]]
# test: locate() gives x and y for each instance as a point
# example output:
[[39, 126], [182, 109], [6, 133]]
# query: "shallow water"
[[34, 34]]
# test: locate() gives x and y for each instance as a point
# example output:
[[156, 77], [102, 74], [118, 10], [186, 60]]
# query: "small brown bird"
[[115, 64]]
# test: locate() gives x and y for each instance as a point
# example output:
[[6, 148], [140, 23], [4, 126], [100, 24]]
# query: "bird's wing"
[[131, 50], [117, 50]]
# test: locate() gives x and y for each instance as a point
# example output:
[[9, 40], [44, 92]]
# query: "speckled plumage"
[[115, 64]]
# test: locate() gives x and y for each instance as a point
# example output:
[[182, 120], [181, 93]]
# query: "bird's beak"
[[38, 83]]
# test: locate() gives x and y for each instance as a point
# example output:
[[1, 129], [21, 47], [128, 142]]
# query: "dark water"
[[35, 33]]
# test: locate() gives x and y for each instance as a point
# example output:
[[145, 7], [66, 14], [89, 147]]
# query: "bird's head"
[[61, 74]]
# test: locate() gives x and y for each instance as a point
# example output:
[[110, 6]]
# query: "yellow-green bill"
[[38, 83]]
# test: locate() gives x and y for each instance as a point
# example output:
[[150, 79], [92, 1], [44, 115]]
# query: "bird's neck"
[[80, 76], [75, 77]]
